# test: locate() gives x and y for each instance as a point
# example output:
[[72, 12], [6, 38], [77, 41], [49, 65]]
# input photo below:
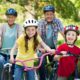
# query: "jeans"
[[4, 59], [1, 64], [30, 75]]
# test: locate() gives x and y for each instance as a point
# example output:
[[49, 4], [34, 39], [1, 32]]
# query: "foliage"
[[62, 41], [66, 9]]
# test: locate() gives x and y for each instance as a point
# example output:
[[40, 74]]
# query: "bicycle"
[[7, 67], [34, 67], [53, 73]]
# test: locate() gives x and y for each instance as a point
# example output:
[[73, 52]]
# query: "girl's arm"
[[47, 48], [12, 53]]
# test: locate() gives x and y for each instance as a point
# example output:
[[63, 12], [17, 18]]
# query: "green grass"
[[62, 41]]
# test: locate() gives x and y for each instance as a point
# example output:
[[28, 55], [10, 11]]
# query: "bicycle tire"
[[6, 75]]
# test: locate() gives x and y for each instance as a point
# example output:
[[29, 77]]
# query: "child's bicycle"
[[35, 67], [53, 73], [7, 71]]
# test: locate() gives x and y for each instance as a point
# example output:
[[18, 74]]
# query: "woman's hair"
[[27, 38]]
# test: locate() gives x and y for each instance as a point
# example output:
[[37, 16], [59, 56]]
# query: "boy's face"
[[31, 31], [71, 37], [11, 19], [49, 16]]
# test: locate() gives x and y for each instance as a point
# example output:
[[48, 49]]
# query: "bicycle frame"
[[32, 68]]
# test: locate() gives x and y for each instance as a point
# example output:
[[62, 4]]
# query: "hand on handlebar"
[[12, 59], [52, 51]]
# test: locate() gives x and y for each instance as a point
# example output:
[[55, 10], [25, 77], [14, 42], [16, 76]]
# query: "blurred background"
[[68, 11]]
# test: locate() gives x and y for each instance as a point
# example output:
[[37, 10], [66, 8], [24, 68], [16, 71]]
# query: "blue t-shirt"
[[9, 37], [49, 36]]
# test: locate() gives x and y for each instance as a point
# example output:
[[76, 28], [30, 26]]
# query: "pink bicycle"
[[32, 68]]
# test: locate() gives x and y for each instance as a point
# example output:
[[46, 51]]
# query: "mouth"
[[70, 39]]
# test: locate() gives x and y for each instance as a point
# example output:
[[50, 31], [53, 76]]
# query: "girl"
[[67, 64], [27, 45]]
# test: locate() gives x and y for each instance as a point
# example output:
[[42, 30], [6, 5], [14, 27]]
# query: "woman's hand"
[[12, 59]]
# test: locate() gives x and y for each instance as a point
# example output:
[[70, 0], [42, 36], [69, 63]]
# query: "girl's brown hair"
[[27, 38]]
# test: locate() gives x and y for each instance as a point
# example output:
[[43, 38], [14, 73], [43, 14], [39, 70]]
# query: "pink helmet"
[[71, 28]]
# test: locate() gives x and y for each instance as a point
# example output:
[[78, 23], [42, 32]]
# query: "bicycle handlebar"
[[31, 68]]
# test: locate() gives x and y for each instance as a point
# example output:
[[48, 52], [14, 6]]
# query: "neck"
[[71, 45], [11, 25]]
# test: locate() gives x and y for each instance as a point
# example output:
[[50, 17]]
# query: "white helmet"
[[30, 22]]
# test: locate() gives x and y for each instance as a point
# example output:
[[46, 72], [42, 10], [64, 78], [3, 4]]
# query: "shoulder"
[[39, 38], [3, 26], [42, 21], [17, 25], [62, 46], [21, 38], [56, 20], [76, 47]]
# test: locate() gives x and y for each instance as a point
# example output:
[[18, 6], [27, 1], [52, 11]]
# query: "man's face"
[[49, 16]]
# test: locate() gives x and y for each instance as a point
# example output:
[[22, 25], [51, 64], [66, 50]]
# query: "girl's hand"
[[12, 59], [42, 50], [52, 51]]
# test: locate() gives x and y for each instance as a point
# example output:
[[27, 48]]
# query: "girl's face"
[[71, 37], [49, 16], [31, 31], [11, 19]]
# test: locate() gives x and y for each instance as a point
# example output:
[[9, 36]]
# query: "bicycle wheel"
[[53, 74], [6, 75]]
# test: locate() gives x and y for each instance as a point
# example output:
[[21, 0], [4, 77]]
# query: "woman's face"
[[49, 16], [71, 37], [11, 19], [31, 31]]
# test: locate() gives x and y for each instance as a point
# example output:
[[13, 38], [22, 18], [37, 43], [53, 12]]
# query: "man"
[[48, 29]]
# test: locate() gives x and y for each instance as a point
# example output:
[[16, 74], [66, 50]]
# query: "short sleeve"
[[20, 39]]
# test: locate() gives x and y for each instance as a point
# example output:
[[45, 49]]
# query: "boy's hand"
[[57, 57]]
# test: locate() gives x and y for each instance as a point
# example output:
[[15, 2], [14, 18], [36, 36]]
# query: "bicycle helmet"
[[49, 8], [30, 22], [71, 28], [11, 11]]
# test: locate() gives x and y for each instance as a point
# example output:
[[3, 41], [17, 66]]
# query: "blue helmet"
[[49, 8], [11, 11]]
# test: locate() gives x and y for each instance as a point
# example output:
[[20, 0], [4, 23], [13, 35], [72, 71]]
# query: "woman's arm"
[[12, 53]]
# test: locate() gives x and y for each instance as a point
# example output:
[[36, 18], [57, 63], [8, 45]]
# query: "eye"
[[68, 34]]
